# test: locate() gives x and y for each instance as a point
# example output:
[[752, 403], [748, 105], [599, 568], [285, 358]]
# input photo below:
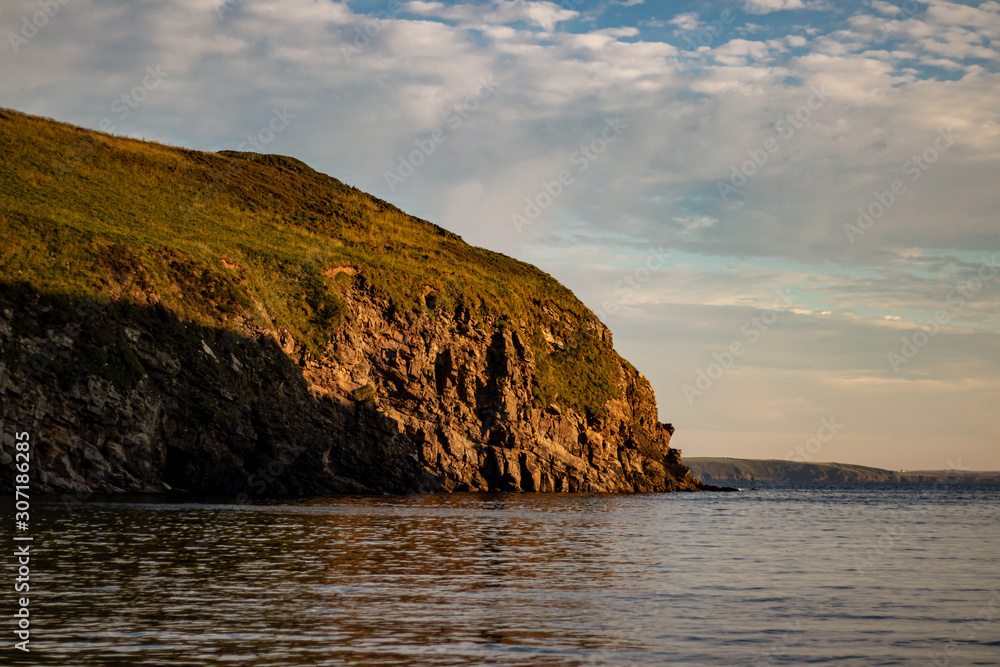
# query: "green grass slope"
[[232, 238], [721, 468]]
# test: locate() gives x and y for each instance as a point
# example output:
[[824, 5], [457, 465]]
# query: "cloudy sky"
[[787, 211]]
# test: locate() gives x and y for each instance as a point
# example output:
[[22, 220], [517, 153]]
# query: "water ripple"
[[872, 575]]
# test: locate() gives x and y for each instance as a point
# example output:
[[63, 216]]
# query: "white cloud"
[[886, 8], [740, 52], [768, 6], [692, 223], [543, 14], [686, 21], [362, 100], [985, 19]]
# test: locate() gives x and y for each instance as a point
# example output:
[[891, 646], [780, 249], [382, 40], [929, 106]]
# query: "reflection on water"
[[765, 577]]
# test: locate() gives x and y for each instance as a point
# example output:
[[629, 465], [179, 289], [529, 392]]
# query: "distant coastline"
[[722, 469]]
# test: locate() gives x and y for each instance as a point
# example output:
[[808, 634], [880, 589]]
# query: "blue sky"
[[809, 181]]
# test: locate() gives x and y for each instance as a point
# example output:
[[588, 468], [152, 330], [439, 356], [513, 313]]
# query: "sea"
[[775, 574]]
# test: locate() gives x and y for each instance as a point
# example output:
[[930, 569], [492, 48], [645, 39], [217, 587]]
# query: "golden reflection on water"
[[434, 580]]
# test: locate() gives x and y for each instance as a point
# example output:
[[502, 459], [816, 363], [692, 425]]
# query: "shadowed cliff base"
[[123, 398]]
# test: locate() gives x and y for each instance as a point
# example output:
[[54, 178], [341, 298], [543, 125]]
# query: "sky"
[[786, 211]]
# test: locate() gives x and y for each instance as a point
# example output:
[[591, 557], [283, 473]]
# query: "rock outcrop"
[[129, 398]]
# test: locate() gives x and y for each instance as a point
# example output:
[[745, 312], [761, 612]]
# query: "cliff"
[[239, 323], [747, 470], [719, 469]]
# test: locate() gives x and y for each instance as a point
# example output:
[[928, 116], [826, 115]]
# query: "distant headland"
[[720, 469]]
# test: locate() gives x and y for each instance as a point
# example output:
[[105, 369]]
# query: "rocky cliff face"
[[241, 323], [126, 397]]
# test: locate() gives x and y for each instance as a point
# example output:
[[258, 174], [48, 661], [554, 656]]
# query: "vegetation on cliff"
[[241, 239]]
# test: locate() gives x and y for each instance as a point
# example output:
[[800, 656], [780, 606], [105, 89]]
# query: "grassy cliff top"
[[766, 469], [224, 238]]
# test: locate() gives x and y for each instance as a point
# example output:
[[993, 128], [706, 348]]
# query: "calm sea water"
[[864, 575]]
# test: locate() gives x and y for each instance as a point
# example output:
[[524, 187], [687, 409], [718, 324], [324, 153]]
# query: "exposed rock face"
[[463, 396], [128, 398]]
